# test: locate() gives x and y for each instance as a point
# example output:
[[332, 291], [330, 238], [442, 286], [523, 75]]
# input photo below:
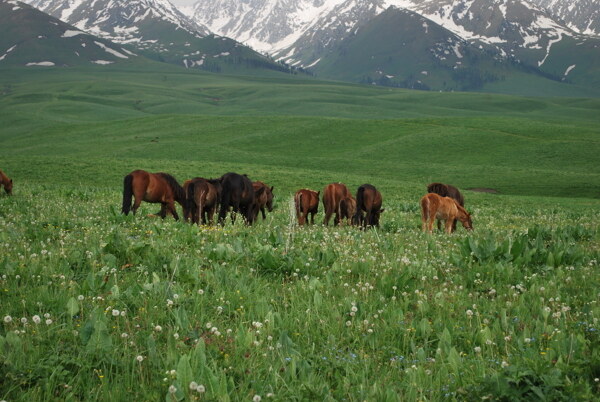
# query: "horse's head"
[[467, 222], [8, 187], [270, 198]]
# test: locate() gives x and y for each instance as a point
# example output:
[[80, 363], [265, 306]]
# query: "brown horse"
[[265, 199], [435, 206], [447, 190], [368, 199], [202, 199], [333, 195], [154, 188], [307, 202], [6, 182]]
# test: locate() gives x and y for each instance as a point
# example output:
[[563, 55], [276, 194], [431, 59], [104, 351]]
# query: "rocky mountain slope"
[[158, 30], [31, 38]]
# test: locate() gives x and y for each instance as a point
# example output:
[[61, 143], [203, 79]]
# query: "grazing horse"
[[447, 190], [333, 195], [154, 188], [368, 199], [202, 198], [307, 202], [237, 192], [6, 182], [265, 200], [435, 206]]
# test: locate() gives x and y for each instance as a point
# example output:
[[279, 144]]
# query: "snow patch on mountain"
[[40, 63], [7, 52], [109, 50]]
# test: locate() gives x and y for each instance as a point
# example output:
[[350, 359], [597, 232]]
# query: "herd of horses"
[[235, 194]]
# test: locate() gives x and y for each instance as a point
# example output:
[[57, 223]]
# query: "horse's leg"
[[210, 214], [312, 217], [163, 210], [262, 210], [173, 210], [137, 202], [328, 214], [449, 223]]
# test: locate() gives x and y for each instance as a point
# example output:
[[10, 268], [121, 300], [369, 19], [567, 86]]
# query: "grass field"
[[99, 306]]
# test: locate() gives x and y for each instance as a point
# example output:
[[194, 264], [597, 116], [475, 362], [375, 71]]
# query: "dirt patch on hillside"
[[484, 190]]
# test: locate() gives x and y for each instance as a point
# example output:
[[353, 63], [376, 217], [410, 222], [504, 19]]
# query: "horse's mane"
[[438, 188], [172, 182], [460, 208]]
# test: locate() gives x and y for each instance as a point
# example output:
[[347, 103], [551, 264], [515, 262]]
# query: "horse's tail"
[[360, 198], [189, 200], [225, 201], [127, 193], [200, 205], [298, 202], [425, 209]]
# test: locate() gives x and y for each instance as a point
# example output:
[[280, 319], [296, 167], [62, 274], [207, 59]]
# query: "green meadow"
[[95, 305]]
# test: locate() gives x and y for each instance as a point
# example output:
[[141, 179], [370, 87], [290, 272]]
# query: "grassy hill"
[[101, 306], [515, 145]]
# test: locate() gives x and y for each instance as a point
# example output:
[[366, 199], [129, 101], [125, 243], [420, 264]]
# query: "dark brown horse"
[[307, 202], [154, 188], [333, 194], [368, 199], [238, 194], [447, 190], [434, 206], [6, 182], [202, 199], [265, 199]]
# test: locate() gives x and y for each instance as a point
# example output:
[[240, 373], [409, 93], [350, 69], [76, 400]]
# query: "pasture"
[[96, 305]]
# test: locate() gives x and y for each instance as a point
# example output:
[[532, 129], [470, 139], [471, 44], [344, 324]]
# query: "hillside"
[[185, 121], [29, 37], [422, 55]]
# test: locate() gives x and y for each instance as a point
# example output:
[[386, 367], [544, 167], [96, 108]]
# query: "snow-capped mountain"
[[302, 32], [123, 21], [265, 25], [31, 38], [580, 15], [283, 27], [157, 29]]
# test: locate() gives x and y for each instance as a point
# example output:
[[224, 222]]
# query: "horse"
[[368, 199], [447, 190], [265, 200], [307, 202], [237, 192], [333, 194], [6, 182], [435, 206], [202, 199], [154, 188]]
